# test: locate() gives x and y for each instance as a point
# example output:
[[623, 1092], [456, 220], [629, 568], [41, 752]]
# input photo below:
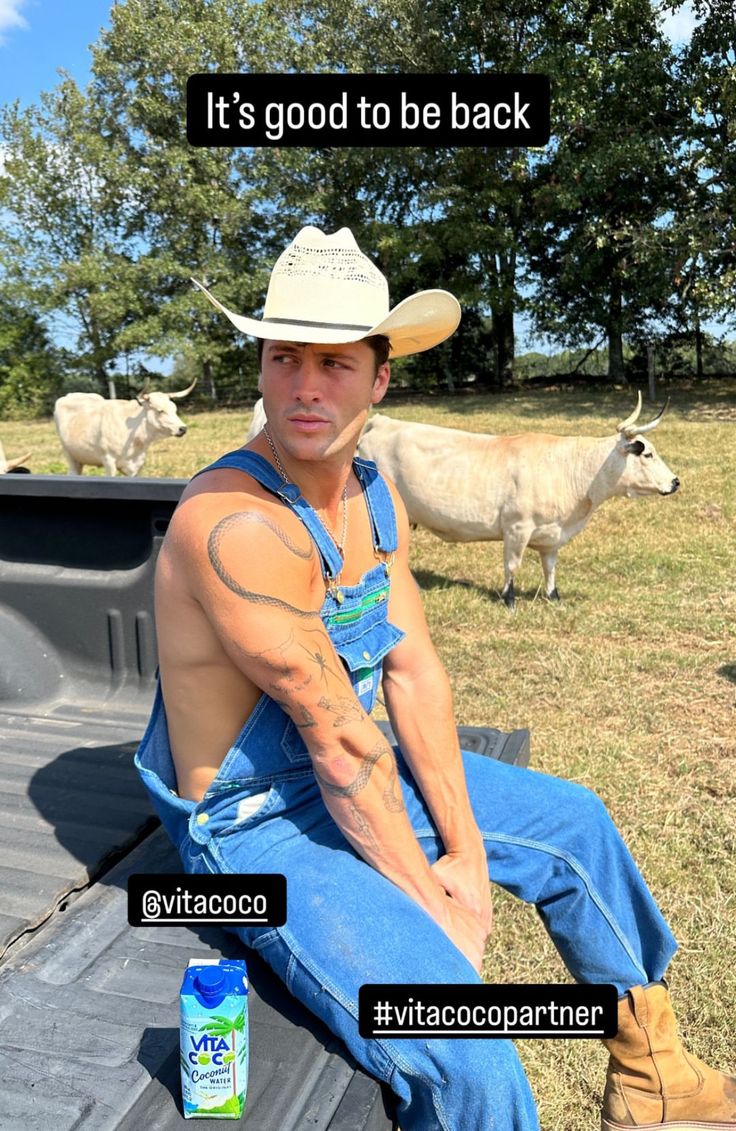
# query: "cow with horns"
[[530, 489], [115, 434], [12, 465]]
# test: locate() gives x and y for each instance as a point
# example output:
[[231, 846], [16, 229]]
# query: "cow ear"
[[634, 448]]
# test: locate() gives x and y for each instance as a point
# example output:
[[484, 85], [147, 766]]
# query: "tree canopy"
[[621, 230]]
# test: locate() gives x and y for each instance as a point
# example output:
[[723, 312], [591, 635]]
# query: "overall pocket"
[[362, 647], [243, 813]]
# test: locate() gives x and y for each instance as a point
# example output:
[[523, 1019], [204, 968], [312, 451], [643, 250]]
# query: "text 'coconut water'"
[[214, 1039]]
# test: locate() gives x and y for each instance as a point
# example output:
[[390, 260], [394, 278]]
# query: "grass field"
[[628, 685]]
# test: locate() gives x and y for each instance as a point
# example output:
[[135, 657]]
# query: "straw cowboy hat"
[[324, 289]]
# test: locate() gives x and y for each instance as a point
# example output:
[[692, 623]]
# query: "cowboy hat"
[[323, 289]]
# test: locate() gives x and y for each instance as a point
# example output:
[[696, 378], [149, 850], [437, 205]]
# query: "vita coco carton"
[[214, 1038]]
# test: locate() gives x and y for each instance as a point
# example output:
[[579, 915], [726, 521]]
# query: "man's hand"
[[464, 876], [465, 930]]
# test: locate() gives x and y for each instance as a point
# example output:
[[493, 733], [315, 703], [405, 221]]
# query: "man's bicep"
[[256, 584]]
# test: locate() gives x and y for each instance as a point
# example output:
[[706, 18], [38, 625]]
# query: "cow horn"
[[11, 464], [652, 423], [625, 426], [144, 391], [182, 392]]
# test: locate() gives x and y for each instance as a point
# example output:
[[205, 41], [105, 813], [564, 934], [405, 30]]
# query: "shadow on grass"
[[727, 671], [428, 579]]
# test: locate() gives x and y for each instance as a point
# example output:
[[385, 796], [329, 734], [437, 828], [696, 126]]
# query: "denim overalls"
[[549, 841]]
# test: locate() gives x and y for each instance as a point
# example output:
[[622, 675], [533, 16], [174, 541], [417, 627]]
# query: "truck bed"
[[89, 1005]]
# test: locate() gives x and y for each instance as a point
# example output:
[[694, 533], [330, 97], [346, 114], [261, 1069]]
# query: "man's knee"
[[585, 808], [454, 1083]]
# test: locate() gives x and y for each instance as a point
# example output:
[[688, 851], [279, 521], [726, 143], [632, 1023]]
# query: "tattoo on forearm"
[[303, 718], [345, 710], [360, 781], [274, 655], [364, 828], [289, 684], [213, 549], [392, 797]]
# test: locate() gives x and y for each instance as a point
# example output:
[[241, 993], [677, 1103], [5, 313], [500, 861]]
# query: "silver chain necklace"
[[280, 467]]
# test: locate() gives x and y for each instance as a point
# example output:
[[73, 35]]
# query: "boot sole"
[[669, 1125]]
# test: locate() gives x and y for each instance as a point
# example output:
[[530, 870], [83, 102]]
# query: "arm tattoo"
[[392, 797], [304, 719], [317, 657], [364, 827], [393, 803], [275, 658], [345, 710], [255, 516], [213, 549], [360, 781]]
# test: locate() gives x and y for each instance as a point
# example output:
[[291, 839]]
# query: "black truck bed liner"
[[88, 1004]]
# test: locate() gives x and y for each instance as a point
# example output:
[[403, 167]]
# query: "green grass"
[[628, 685]]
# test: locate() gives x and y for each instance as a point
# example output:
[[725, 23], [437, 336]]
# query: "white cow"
[[7, 465], [115, 434], [530, 489]]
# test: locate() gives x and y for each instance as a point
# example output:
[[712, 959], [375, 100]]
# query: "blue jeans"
[[548, 841]]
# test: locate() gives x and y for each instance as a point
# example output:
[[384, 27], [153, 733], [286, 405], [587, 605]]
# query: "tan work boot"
[[652, 1082]]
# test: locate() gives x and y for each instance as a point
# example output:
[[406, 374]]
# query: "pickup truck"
[[89, 1007]]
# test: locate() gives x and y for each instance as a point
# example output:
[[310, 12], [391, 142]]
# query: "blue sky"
[[39, 36]]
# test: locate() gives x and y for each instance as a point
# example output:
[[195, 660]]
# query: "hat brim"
[[417, 323]]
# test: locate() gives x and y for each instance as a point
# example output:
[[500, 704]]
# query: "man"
[[283, 595]]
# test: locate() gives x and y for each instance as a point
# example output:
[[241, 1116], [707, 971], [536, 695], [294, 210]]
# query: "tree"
[[31, 369], [440, 217], [704, 232], [112, 210], [601, 247], [199, 211], [68, 244]]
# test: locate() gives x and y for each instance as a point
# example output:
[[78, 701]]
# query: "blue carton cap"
[[210, 981]]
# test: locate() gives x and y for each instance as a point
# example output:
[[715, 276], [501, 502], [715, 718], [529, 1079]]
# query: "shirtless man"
[[283, 598]]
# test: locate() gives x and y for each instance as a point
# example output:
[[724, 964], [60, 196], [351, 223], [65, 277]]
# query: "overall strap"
[[380, 505], [266, 474]]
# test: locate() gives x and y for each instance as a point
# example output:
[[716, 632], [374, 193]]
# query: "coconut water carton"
[[214, 1038]]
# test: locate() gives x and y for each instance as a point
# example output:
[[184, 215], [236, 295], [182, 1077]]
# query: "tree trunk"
[[209, 381], [698, 346], [503, 337], [503, 318], [615, 333], [103, 378], [651, 375]]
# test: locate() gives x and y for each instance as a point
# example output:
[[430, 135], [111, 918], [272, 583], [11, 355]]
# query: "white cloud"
[[678, 25], [10, 17]]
